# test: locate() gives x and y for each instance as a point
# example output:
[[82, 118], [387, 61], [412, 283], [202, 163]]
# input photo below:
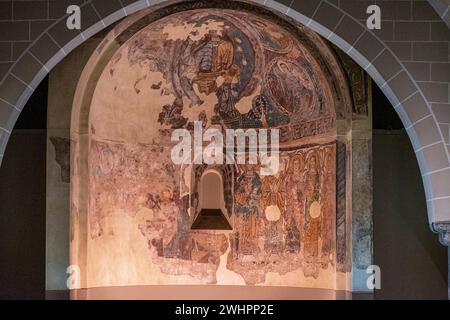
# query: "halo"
[[315, 210]]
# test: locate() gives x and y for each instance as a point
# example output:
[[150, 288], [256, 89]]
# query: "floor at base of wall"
[[205, 292], [361, 296], [57, 295]]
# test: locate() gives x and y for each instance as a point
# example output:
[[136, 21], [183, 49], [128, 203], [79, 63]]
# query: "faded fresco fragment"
[[228, 69], [285, 222]]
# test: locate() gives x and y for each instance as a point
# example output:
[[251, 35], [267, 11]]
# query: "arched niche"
[[211, 194], [118, 123], [211, 213]]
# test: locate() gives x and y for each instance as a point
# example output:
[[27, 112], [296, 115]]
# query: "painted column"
[[362, 212], [355, 145]]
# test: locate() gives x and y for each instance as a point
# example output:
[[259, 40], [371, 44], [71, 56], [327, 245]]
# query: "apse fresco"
[[228, 69], [285, 222], [280, 223]]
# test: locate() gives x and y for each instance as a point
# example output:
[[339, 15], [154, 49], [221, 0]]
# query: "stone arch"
[[321, 16], [399, 87]]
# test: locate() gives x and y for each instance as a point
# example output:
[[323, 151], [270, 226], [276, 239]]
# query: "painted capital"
[[443, 230]]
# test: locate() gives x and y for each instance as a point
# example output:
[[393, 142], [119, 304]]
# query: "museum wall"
[[22, 217], [22, 204], [413, 263]]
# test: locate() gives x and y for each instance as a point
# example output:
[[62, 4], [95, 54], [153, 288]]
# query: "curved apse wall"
[[228, 69]]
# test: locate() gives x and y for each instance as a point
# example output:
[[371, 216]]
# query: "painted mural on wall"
[[285, 222], [228, 69], [281, 223]]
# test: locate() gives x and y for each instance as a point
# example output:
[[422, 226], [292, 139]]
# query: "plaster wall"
[[138, 235], [62, 85]]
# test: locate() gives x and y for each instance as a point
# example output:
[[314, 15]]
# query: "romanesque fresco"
[[285, 222], [62, 156], [281, 223], [228, 69], [122, 176], [234, 69]]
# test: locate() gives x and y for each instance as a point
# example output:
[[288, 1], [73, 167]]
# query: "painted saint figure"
[[313, 218]]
